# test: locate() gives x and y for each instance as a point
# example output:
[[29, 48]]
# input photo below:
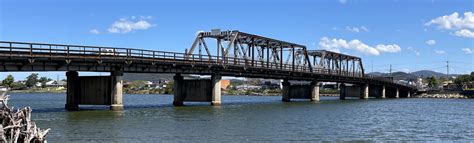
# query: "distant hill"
[[428, 73], [404, 75]]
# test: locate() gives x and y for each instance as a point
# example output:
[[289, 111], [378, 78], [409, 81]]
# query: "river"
[[152, 118]]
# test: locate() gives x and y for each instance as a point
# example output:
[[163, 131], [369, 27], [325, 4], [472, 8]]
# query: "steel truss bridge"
[[227, 53]]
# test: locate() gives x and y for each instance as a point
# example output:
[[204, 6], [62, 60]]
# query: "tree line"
[[30, 82]]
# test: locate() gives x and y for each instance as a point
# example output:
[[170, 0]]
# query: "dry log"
[[17, 126]]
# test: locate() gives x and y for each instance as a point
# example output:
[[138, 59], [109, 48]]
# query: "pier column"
[[73, 91], [365, 91], [342, 91], [314, 91], [178, 92], [285, 91], [216, 89], [383, 91], [397, 94], [117, 93]]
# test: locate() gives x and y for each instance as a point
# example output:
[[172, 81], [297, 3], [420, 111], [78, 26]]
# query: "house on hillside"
[[247, 87], [52, 83], [3, 89]]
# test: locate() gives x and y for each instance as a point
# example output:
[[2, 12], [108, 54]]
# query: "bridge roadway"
[[248, 61]]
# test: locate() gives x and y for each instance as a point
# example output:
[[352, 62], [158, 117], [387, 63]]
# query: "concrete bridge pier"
[[356, 90], [177, 89], [72, 91], [117, 90], [197, 90], [301, 91], [397, 93], [315, 91], [342, 91], [216, 89], [94, 90], [383, 92], [365, 92], [285, 91]]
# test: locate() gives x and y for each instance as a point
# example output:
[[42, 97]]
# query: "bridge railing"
[[52, 51]]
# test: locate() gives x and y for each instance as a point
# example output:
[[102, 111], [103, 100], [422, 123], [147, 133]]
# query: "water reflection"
[[151, 118]]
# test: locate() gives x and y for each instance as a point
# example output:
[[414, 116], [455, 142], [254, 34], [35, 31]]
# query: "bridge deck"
[[21, 56]]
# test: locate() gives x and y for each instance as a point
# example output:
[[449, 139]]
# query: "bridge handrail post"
[[11, 52], [50, 52], [67, 51], [31, 50]]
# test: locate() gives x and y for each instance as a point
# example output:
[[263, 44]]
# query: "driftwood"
[[17, 126]]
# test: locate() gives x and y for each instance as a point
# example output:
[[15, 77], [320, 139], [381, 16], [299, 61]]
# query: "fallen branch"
[[17, 126]]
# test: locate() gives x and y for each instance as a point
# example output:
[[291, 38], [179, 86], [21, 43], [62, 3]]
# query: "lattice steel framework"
[[239, 48], [327, 61]]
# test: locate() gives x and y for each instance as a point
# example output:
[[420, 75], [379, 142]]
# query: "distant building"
[[52, 83], [225, 84], [271, 84], [3, 89], [247, 87], [329, 85]]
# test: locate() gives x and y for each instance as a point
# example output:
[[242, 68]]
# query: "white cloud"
[[462, 26], [94, 31], [467, 50], [464, 33], [453, 21], [343, 1], [335, 45], [430, 42], [357, 29], [440, 52], [389, 48], [126, 25]]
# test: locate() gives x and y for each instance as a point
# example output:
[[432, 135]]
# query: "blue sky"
[[410, 35]]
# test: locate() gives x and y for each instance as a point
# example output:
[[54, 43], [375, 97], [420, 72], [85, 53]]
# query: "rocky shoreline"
[[441, 95]]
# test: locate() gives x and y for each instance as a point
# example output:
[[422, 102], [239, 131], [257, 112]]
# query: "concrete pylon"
[[342, 91], [216, 89], [73, 91], [397, 94], [117, 92], [365, 91], [285, 91], [383, 92], [178, 93], [314, 91]]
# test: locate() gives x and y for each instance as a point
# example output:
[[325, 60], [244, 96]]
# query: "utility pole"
[[447, 70], [390, 70]]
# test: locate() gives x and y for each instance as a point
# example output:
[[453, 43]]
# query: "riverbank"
[[45, 90], [457, 96]]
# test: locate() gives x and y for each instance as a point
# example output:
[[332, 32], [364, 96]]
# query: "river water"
[[152, 118]]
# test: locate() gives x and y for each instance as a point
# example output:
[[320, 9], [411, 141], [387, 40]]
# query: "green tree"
[[43, 81], [31, 80], [137, 85], [18, 86], [463, 80], [8, 81], [432, 82]]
